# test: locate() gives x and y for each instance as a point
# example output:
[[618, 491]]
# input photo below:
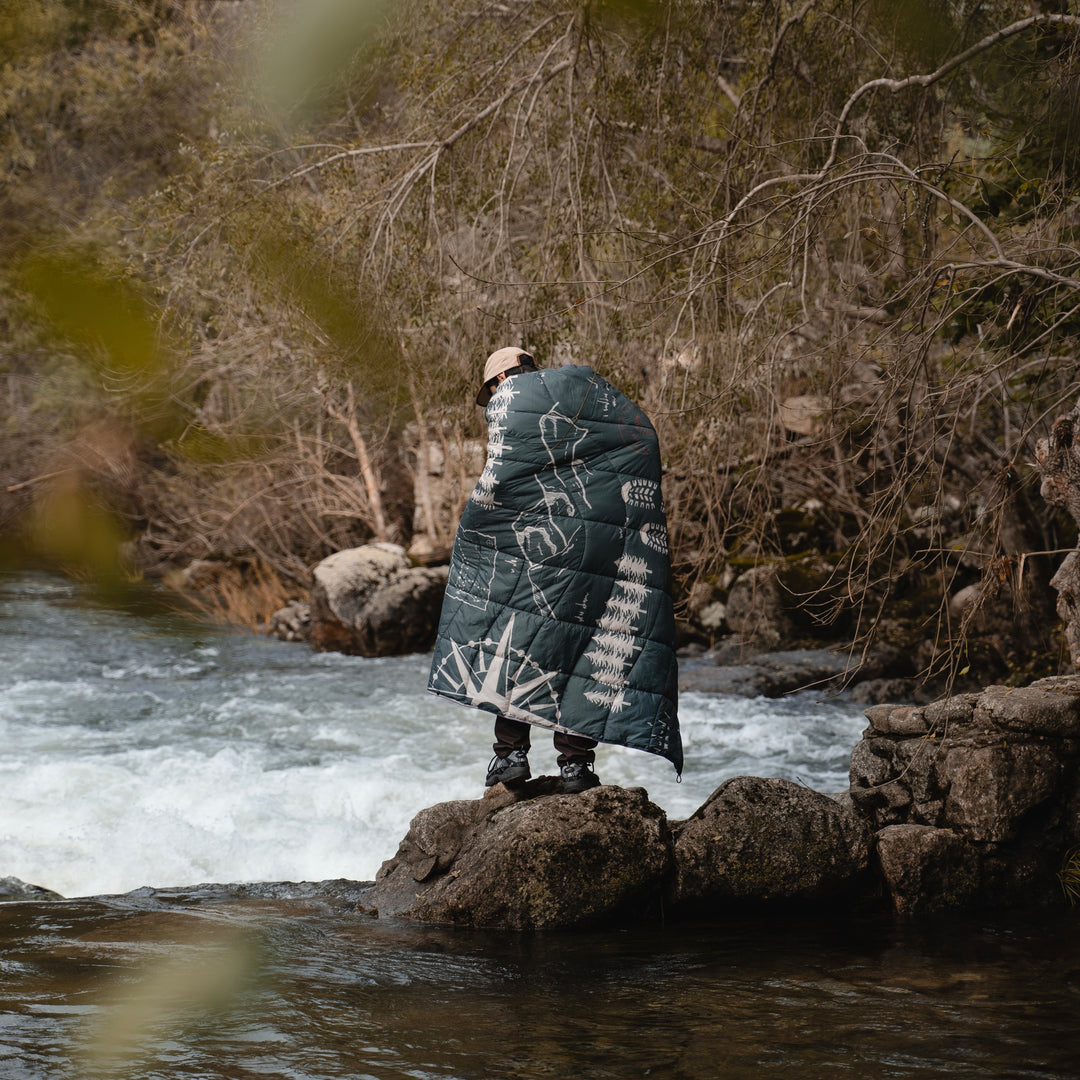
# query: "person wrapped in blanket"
[[558, 610]]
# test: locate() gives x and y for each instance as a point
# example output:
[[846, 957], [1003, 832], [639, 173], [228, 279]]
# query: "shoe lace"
[[513, 759], [576, 768]]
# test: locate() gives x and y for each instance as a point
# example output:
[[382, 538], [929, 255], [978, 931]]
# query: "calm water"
[[148, 755], [183, 986]]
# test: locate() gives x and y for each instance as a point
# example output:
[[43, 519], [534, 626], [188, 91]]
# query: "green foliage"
[[1069, 876]]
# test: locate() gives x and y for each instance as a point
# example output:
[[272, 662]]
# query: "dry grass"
[[244, 596]]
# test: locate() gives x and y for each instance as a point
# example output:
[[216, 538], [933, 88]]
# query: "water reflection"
[[301, 987]]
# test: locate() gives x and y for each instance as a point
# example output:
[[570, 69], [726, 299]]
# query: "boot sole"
[[579, 787]]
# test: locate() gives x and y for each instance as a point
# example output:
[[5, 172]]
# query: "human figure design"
[[540, 533]]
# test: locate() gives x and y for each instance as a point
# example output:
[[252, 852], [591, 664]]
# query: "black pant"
[[515, 735]]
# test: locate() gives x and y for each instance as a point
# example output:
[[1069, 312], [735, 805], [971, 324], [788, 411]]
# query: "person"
[[558, 609]]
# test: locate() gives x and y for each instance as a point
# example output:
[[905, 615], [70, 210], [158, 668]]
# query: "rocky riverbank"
[[969, 803], [375, 601]]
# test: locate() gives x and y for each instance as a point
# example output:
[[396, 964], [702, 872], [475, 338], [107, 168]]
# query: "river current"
[[145, 756]]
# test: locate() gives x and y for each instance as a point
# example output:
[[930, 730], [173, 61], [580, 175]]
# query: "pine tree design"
[[614, 649], [484, 492]]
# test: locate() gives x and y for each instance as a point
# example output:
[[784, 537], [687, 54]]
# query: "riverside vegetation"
[[254, 255]]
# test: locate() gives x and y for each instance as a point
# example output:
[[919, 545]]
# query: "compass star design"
[[511, 682]]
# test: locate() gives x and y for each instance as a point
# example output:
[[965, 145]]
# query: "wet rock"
[[291, 623], [370, 601], [998, 770], [740, 666], [927, 869], [770, 674], [744, 680], [757, 841], [879, 691], [529, 859]]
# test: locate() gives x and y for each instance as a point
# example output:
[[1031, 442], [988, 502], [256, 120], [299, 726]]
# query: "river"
[[144, 757]]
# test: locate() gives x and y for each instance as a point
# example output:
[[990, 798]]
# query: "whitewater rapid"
[[140, 750]]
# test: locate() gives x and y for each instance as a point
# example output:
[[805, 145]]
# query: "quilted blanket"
[[558, 606]]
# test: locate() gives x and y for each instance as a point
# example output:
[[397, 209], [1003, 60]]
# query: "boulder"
[[988, 790], [705, 610], [529, 859], [769, 674], [737, 664], [757, 841], [1057, 460], [898, 720], [995, 771], [1046, 707], [292, 622], [927, 869], [878, 691], [803, 413], [757, 607], [371, 601]]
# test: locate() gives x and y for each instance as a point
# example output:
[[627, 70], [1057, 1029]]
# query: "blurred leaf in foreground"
[[311, 48], [105, 323], [209, 973], [103, 316], [70, 529]]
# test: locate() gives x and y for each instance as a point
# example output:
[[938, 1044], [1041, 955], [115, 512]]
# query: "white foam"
[[260, 761], [110, 823]]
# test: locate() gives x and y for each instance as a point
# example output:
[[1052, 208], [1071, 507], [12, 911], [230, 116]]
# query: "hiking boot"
[[578, 776], [514, 768]]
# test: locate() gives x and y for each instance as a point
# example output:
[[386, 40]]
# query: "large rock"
[[292, 622], [996, 770], [971, 801], [757, 607], [371, 601], [758, 841], [927, 869], [532, 859], [770, 674], [1047, 707], [1057, 459]]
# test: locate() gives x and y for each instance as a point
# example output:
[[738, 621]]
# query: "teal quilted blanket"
[[558, 605]]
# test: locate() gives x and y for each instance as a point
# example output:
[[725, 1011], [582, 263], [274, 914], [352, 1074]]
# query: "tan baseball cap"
[[499, 361]]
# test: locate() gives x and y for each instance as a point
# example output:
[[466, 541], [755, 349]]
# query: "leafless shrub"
[[817, 250]]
